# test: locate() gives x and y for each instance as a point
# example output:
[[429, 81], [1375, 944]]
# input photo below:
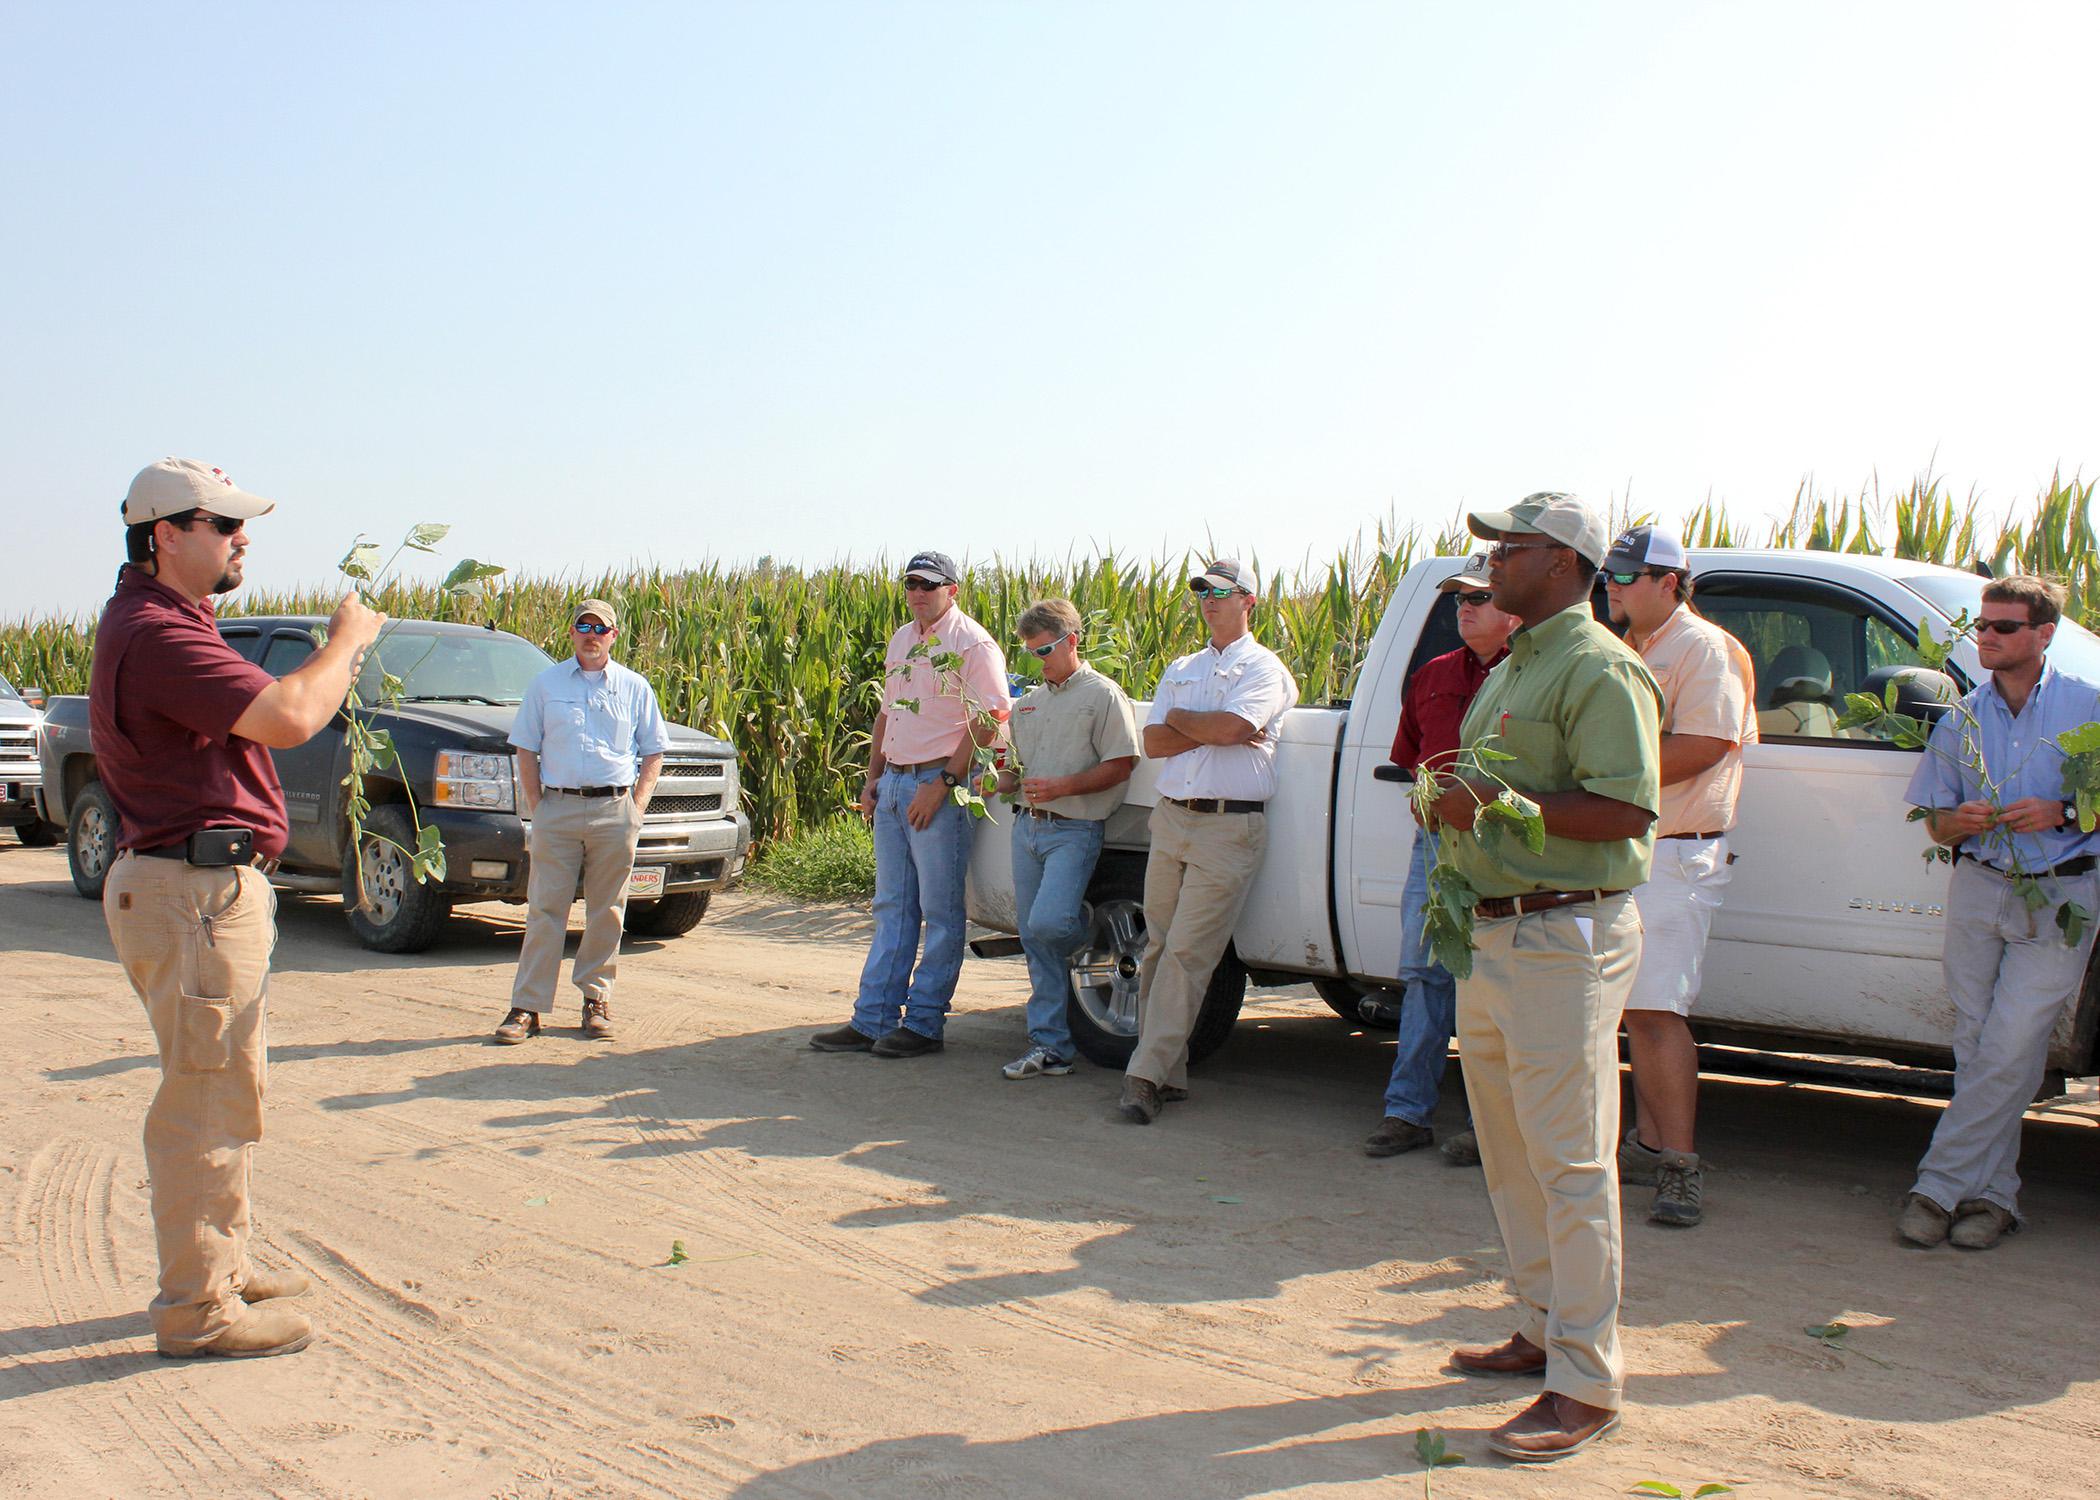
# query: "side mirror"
[[1920, 692], [34, 697]]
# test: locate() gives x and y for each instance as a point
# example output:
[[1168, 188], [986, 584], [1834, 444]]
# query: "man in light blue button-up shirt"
[[1992, 781], [591, 741]]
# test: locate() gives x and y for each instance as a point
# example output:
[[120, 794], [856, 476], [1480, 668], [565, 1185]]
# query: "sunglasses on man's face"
[[1476, 598], [591, 627], [2005, 627], [1045, 649], [223, 525], [1628, 580], [921, 586], [1204, 591]]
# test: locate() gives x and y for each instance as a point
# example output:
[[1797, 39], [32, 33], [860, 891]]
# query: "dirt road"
[[915, 1279]]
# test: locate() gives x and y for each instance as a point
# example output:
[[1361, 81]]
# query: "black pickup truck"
[[461, 687]]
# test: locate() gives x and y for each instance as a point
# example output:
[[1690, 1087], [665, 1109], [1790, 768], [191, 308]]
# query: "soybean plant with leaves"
[[2081, 773], [372, 747], [980, 716], [1509, 814]]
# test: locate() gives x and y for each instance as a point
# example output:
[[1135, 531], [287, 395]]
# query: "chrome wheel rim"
[[1105, 971], [95, 841], [384, 880]]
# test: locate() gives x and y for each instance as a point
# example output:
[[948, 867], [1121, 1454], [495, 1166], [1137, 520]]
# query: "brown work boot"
[[266, 1330], [1520, 1356], [1169, 1094], [1395, 1135], [1553, 1426], [1980, 1224], [267, 1286], [597, 1018], [1140, 1104], [518, 1025], [844, 1039], [1461, 1150], [1924, 1222]]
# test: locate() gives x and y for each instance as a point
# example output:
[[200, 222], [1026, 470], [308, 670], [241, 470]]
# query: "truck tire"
[[1347, 999], [406, 917], [91, 840], [37, 834], [1102, 1010], [667, 916]]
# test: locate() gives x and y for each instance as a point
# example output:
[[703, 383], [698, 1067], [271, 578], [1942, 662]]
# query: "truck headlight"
[[474, 779]]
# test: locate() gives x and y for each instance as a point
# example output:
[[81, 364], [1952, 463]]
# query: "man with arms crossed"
[[2009, 971], [1076, 741], [923, 747], [1213, 721], [1425, 741], [1709, 714], [591, 743], [1556, 941], [183, 726]]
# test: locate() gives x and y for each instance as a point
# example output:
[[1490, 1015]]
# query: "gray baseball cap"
[[1474, 575], [1641, 547], [1224, 573], [1548, 513]]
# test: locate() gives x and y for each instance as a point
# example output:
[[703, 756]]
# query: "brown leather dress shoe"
[[1552, 1427], [1520, 1356]]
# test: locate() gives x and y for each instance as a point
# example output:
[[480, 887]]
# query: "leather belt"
[[915, 767], [1495, 908], [1046, 815], [2084, 864], [1215, 804], [181, 852], [1718, 833], [588, 791]]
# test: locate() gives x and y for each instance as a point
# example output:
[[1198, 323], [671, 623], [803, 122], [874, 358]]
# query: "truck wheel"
[[91, 840], [405, 917], [1103, 1009], [667, 916], [37, 834], [1372, 1008]]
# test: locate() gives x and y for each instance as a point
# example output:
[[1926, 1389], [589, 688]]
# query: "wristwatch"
[[2070, 813], [949, 778]]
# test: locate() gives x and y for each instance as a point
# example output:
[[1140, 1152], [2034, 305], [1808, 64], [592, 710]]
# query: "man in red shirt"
[[182, 728], [1427, 739]]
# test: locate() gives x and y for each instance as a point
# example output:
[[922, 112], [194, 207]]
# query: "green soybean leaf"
[[1486, 753], [1860, 708], [1713, 1489], [2083, 740], [1917, 815], [426, 536], [2073, 920], [361, 560], [467, 576], [1931, 651], [906, 705], [678, 1256], [1657, 1487], [1429, 1446]]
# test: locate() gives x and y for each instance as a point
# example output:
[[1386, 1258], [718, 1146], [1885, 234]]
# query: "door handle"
[[1387, 771]]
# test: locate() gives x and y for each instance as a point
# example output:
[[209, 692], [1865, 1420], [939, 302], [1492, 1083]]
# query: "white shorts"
[[1677, 908]]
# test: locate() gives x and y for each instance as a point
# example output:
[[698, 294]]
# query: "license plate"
[[646, 883]]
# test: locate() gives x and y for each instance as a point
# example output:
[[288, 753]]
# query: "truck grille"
[[710, 803], [691, 786], [18, 751]]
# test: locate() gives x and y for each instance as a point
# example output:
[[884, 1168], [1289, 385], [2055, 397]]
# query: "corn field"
[[786, 664]]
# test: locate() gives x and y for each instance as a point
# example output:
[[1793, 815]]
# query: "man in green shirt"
[[1556, 941]]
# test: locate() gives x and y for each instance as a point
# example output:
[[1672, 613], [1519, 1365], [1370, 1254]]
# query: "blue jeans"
[[918, 879], [1053, 861], [1430, 1007]]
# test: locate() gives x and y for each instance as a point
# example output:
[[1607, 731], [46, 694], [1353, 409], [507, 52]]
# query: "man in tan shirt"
[[1075, 739], [1709, 714]]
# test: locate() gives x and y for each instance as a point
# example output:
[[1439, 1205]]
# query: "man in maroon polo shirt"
[[183, 727], [1427, 739]]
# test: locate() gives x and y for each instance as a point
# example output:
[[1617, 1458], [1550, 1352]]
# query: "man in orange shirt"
[[1709, 714], [923, 747]]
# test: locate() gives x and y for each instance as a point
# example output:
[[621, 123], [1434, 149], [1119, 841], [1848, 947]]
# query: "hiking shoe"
[[844, 1039], [1395, 1135], [1140, 1104], [518, 1025], [1637, 1164], [904, 1042], [1924, 1223], [267, 1286], [1980, 1224], [265, 1331], [1680, 1184], [597, 1019], [1170, 1094], [1037, 1062], [1461, 1150]]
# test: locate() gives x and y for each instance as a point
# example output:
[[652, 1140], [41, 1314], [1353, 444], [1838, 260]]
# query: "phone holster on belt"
[[212, 847]]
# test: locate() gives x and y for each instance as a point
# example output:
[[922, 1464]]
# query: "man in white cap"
[[591, 742], [183, 726], [1709, 715], [1556, 941], [1213, 722]]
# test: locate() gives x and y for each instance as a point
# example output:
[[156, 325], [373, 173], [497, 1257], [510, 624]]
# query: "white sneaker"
[[1036, 1062]]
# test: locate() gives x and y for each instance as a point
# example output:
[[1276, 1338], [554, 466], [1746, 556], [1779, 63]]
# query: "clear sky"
[[658, 283]]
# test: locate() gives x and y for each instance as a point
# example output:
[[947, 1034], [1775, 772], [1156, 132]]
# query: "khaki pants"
[[592, 838], [1538, 1025], [1196, 881], [195, 944]]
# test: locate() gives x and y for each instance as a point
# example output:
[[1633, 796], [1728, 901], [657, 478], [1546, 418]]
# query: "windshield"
[[7, 689], [461, 668], [2072, 649]]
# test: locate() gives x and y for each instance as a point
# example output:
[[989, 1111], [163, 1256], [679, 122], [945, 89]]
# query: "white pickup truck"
[[1829, 941]]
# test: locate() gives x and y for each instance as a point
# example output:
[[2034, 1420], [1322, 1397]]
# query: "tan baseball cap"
[[175, 486], [1474, 575], [1551, 514], [605, 612]]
